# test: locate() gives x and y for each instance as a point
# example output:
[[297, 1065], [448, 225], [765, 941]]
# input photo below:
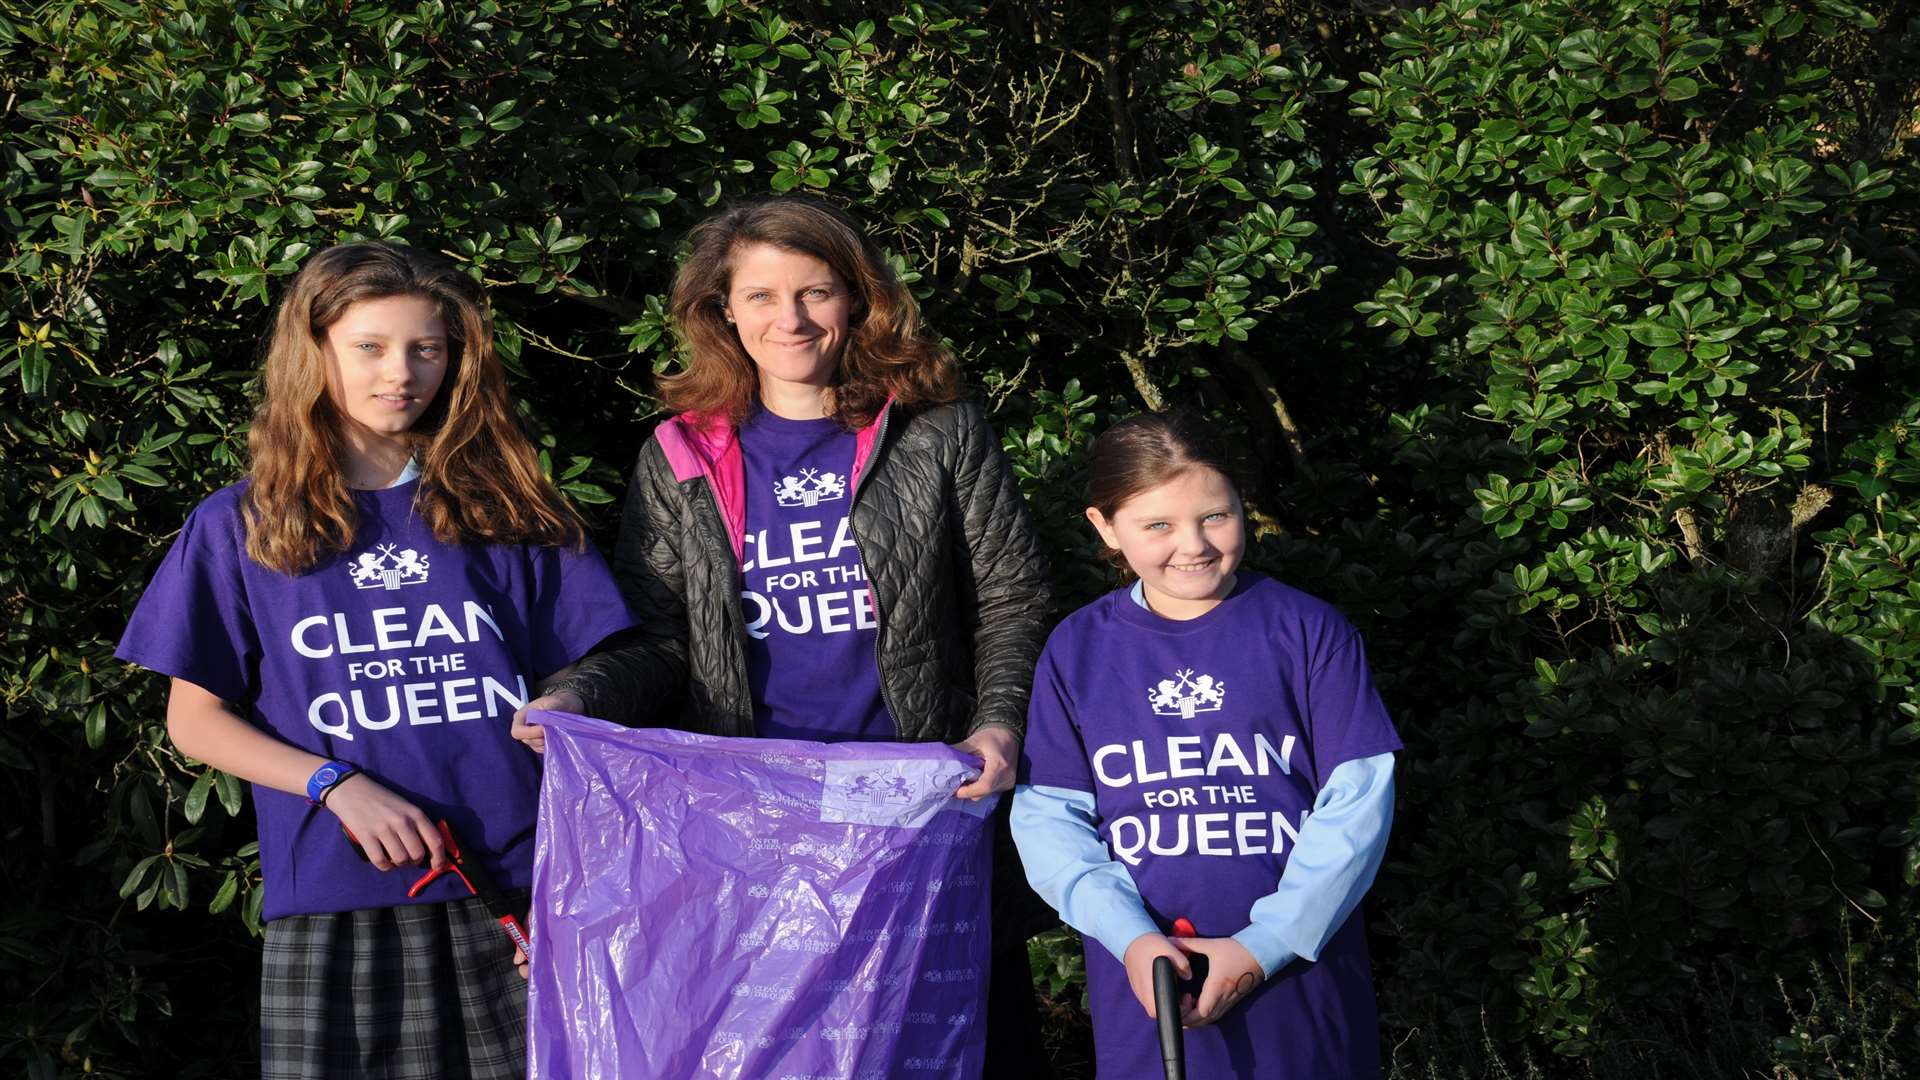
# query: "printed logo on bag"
[[1186, 694], [896, 792], [383, 569], [878, 790], [811, 488]]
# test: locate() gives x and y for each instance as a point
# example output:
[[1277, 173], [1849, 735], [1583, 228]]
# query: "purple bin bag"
[[756, 908]]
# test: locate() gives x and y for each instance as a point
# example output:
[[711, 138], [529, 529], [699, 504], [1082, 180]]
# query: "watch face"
[[327, 775]]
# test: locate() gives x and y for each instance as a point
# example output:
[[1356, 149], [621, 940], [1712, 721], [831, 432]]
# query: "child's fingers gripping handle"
[[389, 830], [411, 838], [1166, 1008]]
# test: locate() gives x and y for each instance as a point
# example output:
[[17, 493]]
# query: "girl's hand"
[[533, 734], [1232, 974], [391, 830], [521, 963], [1139, 961], [997, 748]]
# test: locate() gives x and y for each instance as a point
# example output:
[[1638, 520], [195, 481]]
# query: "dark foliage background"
[[1567, 346]]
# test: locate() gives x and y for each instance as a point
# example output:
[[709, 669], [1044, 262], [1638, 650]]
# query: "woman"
[[825, 542]]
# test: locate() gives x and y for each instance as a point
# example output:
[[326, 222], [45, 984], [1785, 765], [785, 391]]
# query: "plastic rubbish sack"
[[756, 908]]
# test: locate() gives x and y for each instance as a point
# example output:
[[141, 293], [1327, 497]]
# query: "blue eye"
[[1221, 515], [820, 293], [1157, 526]]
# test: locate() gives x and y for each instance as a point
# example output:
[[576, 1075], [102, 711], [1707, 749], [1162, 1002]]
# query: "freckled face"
[[792, 312], [386, 359], [1183, 538]]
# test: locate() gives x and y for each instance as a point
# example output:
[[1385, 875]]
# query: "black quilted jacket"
[[958, 579]]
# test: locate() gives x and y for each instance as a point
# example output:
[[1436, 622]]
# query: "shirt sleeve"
[[193, 622], [638, 679], [1069, 866], [1345, 716], [1053, 752], [1332, 866], [576, 605]]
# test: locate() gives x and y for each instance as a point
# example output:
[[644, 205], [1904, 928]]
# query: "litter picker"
[[465, 865]]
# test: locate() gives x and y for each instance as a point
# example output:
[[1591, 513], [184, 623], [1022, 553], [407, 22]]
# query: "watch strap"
[[325, 778]]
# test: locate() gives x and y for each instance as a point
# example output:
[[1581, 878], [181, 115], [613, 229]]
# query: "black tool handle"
[[1166, 1008]]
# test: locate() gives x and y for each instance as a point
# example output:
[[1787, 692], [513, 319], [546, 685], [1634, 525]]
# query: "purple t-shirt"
[[1204, 743], [811, 626], [403, 656]]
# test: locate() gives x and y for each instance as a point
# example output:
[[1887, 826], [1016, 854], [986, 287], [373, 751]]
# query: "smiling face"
[[1184, 538], [792, 314], [385, 359]]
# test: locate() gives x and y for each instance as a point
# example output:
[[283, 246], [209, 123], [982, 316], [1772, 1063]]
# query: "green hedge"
[[1567, 346]]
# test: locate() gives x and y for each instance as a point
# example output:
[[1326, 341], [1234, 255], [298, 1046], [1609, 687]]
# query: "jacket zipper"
[[873, 587]]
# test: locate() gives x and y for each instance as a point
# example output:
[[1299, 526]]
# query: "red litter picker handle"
[[466, 866]]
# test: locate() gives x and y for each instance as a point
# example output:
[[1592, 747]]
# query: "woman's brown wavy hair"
[[889, 351], [479, 477]]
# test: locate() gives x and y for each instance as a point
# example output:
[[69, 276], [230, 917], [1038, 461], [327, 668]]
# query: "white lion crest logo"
[[1186, 694], [383, 569], [811, 488], [879, 790]]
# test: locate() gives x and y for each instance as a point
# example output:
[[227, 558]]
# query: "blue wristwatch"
[[325, 777]]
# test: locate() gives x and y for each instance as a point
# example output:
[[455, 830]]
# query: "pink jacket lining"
[[709, 445]]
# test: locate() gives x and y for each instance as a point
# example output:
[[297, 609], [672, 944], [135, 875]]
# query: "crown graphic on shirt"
[[1186, 694], [382, 568], [811, 488], [878, 789]]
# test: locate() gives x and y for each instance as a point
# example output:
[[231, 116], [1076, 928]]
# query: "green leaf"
[[223, 897], [1679, 89], [34, 369], [137, 875], [592, 494], [228, 787], [196, 802]]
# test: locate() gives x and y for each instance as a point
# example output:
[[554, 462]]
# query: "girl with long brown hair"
[[826, 542], [351, 628]]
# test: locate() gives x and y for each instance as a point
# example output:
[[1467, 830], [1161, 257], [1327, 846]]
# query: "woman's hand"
[[391, 830], [533, 735], [998, 748], [1232, 974], [521, 964], [1139, 961]]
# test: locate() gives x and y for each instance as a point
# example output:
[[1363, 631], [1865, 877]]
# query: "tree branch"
[[1263, 379], [1142, 382]]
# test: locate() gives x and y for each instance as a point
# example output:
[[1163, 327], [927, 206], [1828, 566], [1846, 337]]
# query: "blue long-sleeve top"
[[1333, 863]]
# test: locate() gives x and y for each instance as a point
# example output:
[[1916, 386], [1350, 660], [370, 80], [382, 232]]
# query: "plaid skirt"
[[422, 992]]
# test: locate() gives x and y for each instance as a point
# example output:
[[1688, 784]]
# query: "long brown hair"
[[889, 353], [479, 477]]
